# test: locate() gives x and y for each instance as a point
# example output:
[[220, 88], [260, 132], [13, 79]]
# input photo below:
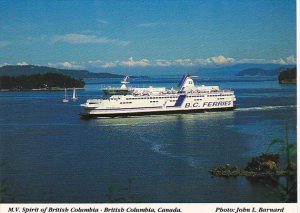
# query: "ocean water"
[[48, 154]]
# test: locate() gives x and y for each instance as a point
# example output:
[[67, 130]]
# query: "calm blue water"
[[51, 155]]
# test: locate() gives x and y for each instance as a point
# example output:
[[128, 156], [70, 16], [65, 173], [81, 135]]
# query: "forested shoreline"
[[48, 81]]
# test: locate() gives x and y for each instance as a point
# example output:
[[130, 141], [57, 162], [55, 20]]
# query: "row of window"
[[195, 96], [218, 95], [143, 98], [125, 102], [149, 98]]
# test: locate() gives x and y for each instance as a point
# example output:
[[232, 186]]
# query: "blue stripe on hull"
[[180, 100]]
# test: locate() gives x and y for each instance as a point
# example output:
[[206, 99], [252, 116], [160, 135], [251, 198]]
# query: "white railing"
[[94, 100]]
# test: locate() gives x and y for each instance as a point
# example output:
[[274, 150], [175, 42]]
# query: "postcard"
[[148, 106]]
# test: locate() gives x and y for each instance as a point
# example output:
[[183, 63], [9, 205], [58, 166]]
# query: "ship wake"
[[265, 108]]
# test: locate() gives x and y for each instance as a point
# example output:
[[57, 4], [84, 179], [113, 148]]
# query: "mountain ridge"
[[17, 70], [258, 72]]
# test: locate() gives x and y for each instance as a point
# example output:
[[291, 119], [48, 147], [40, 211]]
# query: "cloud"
[[222, 60], [279, 61], [291, 60], [23, 63], [288, 60], [162, 63], [181, 62], [4, 43], [84, 39], [4, 64], [66, 65], [132, 63], [109, 64]]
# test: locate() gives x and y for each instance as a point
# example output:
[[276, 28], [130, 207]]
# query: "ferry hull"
[[143, 113]]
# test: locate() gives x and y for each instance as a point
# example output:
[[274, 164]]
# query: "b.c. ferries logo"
[[208, 104]]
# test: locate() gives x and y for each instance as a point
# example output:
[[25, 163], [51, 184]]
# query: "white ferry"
[[188, 98]]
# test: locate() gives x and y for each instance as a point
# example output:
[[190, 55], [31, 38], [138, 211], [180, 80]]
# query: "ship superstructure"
[[127, 101]]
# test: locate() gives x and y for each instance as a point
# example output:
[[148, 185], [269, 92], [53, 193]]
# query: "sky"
[[159, 33]]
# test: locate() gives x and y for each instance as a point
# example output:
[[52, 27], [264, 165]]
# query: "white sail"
[[74, 97], [65, 99]]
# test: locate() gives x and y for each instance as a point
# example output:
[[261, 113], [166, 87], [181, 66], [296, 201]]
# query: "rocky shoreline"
[[228, 170], [266, 165]]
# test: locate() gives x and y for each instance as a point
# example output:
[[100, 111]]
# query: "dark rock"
[[266, 165], [267, 162]]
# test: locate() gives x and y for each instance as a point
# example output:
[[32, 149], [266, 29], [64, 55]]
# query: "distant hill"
[[233, 70], [288, 76], [48, 81], [258, 72], [17, 70]]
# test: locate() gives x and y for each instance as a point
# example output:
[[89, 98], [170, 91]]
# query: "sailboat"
[[74, 97], [65, 99]]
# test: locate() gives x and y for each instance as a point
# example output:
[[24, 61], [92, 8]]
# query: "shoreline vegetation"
[[288, 76], [40, 82], [265, 165]]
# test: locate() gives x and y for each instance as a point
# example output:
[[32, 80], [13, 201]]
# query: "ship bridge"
[[187, 85], [123, 90]]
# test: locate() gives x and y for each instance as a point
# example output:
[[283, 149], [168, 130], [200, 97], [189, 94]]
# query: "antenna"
[[124, 81]]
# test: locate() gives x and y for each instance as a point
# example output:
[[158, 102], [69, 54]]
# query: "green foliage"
[[39, 81], [288, 192], [288, 76]]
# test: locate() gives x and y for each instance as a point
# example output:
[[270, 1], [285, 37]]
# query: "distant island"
[[48, 81], [258, 72], [288, 76], [17, 70]]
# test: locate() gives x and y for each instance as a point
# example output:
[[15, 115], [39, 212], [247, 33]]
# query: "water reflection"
[[191, 138]]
